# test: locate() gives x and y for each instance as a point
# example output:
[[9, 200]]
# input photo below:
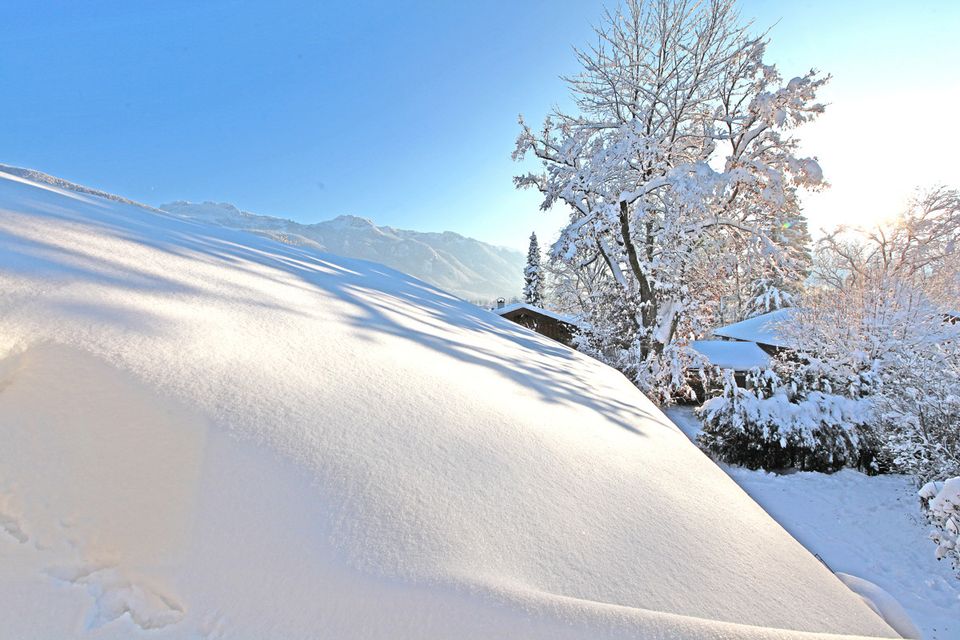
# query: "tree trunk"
[[648, 302]]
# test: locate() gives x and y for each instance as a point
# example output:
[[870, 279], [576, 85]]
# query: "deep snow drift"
[[207, 434]]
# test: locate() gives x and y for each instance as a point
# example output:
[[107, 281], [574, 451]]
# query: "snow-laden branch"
[[670, 92]]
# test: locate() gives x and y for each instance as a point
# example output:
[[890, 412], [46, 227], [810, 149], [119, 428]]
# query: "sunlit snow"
[[208, 434]]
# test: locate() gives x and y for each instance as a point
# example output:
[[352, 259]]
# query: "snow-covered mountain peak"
[[469, 268], [212, 208], [347, 220]]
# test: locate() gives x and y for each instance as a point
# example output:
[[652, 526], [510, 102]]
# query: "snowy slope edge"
[[213, 434]]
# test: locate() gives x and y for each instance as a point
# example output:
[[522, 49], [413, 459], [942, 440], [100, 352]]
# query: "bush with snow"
[[776, 425], [942, 501], [919, 413]]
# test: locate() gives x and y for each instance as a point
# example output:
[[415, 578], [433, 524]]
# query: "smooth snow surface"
[[208, 434], [736, 355], [866, 526], [763, 329]]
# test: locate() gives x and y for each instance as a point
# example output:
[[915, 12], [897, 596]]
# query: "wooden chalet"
[[552, 325]]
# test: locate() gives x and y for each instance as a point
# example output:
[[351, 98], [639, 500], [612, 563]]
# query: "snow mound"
[[209, 434], [884, 604]]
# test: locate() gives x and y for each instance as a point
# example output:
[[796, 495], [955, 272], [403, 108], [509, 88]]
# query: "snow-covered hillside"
[[466, 267], [209, 434]]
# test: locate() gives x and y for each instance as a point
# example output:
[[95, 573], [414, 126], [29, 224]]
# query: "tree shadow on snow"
[[381, 300]]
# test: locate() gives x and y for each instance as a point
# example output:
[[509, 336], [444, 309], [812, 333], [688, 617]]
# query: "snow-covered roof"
[[763, 329], [207, 433], [736, 355], [516, 306]]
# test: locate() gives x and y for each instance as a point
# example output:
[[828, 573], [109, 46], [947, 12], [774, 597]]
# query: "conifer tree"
[[533, 280]]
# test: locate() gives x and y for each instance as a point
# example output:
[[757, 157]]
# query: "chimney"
[[500, 303]]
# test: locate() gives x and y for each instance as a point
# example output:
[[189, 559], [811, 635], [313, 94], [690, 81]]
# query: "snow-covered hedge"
[[772, 427], [942, 502]]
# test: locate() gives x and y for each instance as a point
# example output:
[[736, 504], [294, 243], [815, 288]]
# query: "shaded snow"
[[868, 526], [211, 434], [685, 417]]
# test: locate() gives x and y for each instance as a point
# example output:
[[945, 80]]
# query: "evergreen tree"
[[766, 295], [533, 276]]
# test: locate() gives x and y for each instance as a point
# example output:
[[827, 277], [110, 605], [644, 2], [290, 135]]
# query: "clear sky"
[[405, 112]]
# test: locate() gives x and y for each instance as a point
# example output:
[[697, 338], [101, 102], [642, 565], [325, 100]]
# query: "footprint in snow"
[[9, 522], [115, 595], [212, 627], [11, 526]]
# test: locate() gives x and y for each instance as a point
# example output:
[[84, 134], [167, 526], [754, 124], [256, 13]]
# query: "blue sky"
[[406, 112]]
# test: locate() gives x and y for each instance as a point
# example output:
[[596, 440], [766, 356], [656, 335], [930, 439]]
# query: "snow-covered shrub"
[[942, 502], [776, 425], [919, 414]]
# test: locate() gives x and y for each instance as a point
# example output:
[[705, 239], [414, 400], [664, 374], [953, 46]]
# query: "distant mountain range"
[[468, 268]]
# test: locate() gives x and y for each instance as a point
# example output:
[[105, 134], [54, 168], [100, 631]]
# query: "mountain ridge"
[[469, 268]]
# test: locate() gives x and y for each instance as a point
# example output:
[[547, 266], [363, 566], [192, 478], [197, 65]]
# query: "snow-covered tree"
[[772, 288], [880, 321], [680, 151], [534, 278], [570, 287], [766, 295], [743, 288]]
